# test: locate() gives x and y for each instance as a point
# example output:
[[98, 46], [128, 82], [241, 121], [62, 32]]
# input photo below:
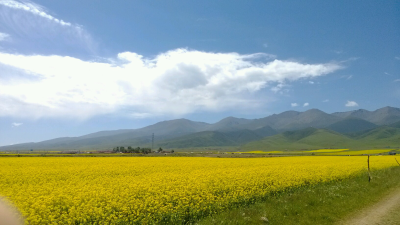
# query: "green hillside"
[[397, 125], [211, 138], [351, 125], [200, 139], [297, 135], [312, 138], [381, 133], [382, 136]]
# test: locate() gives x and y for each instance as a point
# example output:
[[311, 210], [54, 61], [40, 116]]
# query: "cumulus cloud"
[[16, 124], [179, 81], [311, 82], [351, 104], [306, 104], [294, 104], [29, 22]]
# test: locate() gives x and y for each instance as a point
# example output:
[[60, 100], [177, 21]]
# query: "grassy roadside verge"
[[324, 203]]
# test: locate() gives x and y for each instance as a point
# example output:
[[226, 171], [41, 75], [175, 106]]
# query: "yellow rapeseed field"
[[126, 190]]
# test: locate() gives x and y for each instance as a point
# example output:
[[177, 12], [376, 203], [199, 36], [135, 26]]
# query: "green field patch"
[[328, 150], [361, 152], [260, 152]]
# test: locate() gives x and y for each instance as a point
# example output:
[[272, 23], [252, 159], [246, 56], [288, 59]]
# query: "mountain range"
[[287, 130]]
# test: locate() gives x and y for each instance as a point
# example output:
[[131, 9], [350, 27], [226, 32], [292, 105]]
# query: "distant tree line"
[[129, 149]]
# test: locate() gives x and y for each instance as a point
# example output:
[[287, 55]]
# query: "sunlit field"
[[150, 190], [361, 152], [260, 152], [328, 150]]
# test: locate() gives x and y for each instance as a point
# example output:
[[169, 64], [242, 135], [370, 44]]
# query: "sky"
[[69, 68]]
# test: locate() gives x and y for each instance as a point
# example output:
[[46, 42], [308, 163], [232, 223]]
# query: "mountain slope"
[[227, 124], [397, 124], [381, 133], [385, 116], [211, 138], [265, 131], [360, 113], [380, 137], [312, 138], [351, 125], [200, 139], [292, 120], [311, 118], [292, 136], [309, 138], [275, 121], [382, 116]]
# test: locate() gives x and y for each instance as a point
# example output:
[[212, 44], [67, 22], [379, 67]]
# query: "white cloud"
[[326, 100], [311, 82], [29, 21], [4, 36], [351, 104], [265, 45], [397, 80], [32, 8], [294, 104], [16, 124], [306, 104], [347, 77], [175, 82], [278, 87]]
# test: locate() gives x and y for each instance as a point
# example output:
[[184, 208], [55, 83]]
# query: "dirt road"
[[385, 212]]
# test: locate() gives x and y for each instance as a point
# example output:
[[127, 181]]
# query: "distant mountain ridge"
[[313, 138], [382, 116], [230, 131]]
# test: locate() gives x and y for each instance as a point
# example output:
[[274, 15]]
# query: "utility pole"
[[152, 142]]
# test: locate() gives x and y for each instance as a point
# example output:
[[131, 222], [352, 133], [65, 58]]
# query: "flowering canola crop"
[[115, 190]]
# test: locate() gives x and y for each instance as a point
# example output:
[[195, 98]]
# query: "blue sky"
[[68, 68]]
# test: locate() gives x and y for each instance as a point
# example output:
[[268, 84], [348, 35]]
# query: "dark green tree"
[[122, 149]]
